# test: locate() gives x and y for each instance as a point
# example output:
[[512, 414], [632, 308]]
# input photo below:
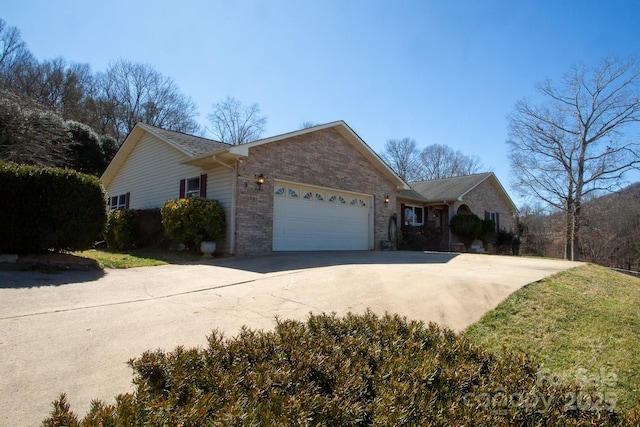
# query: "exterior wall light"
[[386, 199], [260, 180]]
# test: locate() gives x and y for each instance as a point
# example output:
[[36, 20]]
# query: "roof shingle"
[[439, 190], [192, 145]]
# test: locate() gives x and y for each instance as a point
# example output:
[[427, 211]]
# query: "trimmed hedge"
[[193, 220], [468, 228], [360, 370], [49, 209], [121, 226], [135, 229]]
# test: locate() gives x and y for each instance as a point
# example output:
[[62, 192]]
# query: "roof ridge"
[[452, 177], [183, 133]]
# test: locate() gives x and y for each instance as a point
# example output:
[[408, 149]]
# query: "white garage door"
[[307, 218]]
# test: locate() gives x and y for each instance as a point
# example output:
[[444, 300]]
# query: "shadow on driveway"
[[50, 269], [11, 278], [284, 261]]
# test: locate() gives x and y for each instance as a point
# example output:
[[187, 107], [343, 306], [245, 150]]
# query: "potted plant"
[[196, 222]]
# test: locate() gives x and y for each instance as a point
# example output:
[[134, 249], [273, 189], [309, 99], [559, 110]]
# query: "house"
[[430, 205], [320, 188]]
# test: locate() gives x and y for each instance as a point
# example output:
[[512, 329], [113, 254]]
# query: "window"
[[493, 216], [293, 193], [119, 202], [413, 215], [193, 187]]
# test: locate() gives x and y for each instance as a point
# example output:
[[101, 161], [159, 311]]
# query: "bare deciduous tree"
[[575, 143], [612, 229], [402, 156], [131, 92], [13, 49], [235, 124], [307, 125], [439, 161]]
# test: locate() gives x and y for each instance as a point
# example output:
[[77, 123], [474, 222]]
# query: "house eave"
[[225, 157]]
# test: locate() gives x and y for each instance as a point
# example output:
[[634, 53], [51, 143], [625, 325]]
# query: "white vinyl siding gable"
[[152, 174]]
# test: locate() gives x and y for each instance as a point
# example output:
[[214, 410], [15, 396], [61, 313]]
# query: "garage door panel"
[[317, 224]]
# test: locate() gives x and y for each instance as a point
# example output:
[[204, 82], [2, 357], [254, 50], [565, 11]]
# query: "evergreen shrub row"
[[135, 228], [49, 209], [359, 370]]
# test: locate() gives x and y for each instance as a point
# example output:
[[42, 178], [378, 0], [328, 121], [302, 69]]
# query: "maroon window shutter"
[[486, 215], [183, 188], [401, 214], [127, 200], [203, 185]]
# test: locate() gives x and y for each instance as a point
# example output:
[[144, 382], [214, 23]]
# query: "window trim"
[[495, 216], [194, 192], [119, 201], [200, 192], [413, 208]]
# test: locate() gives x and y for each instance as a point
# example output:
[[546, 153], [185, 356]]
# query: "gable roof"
[[190, 145], [455, 188], [202, 151], [242, 150]]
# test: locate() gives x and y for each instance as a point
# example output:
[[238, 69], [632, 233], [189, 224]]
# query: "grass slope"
[[582, 324]]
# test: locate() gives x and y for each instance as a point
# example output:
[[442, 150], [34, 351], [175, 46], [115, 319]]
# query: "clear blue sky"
[[437, 71]]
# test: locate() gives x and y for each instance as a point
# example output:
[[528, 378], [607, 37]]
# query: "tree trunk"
[[575, 245]]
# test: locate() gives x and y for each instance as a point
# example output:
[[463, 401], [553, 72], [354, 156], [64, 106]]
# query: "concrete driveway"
[[73, 332]]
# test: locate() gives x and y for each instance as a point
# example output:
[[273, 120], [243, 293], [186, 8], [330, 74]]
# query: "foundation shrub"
[[193, 220], [135, 228], [121, 227], [487, 233], [149, 229], [49, 209], [360, 370], [467, 227], [425, 237], [507, 243]]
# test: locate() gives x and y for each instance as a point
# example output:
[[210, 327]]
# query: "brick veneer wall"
[[323, 158], [486, 197]]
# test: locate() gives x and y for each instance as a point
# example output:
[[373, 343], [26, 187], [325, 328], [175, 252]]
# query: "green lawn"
[[582, 324], [138, 258]]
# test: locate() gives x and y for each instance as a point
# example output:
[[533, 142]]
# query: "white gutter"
[[221, 163]]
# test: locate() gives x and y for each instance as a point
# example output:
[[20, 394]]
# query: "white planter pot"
[[207, 248]]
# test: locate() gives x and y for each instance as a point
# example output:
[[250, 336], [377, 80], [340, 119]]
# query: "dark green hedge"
[[467, 227], [360, 370], [135, 229], [49, 209], [121, 227]]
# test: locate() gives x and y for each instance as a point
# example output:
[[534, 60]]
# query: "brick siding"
[[323, 158], [486, 197]]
